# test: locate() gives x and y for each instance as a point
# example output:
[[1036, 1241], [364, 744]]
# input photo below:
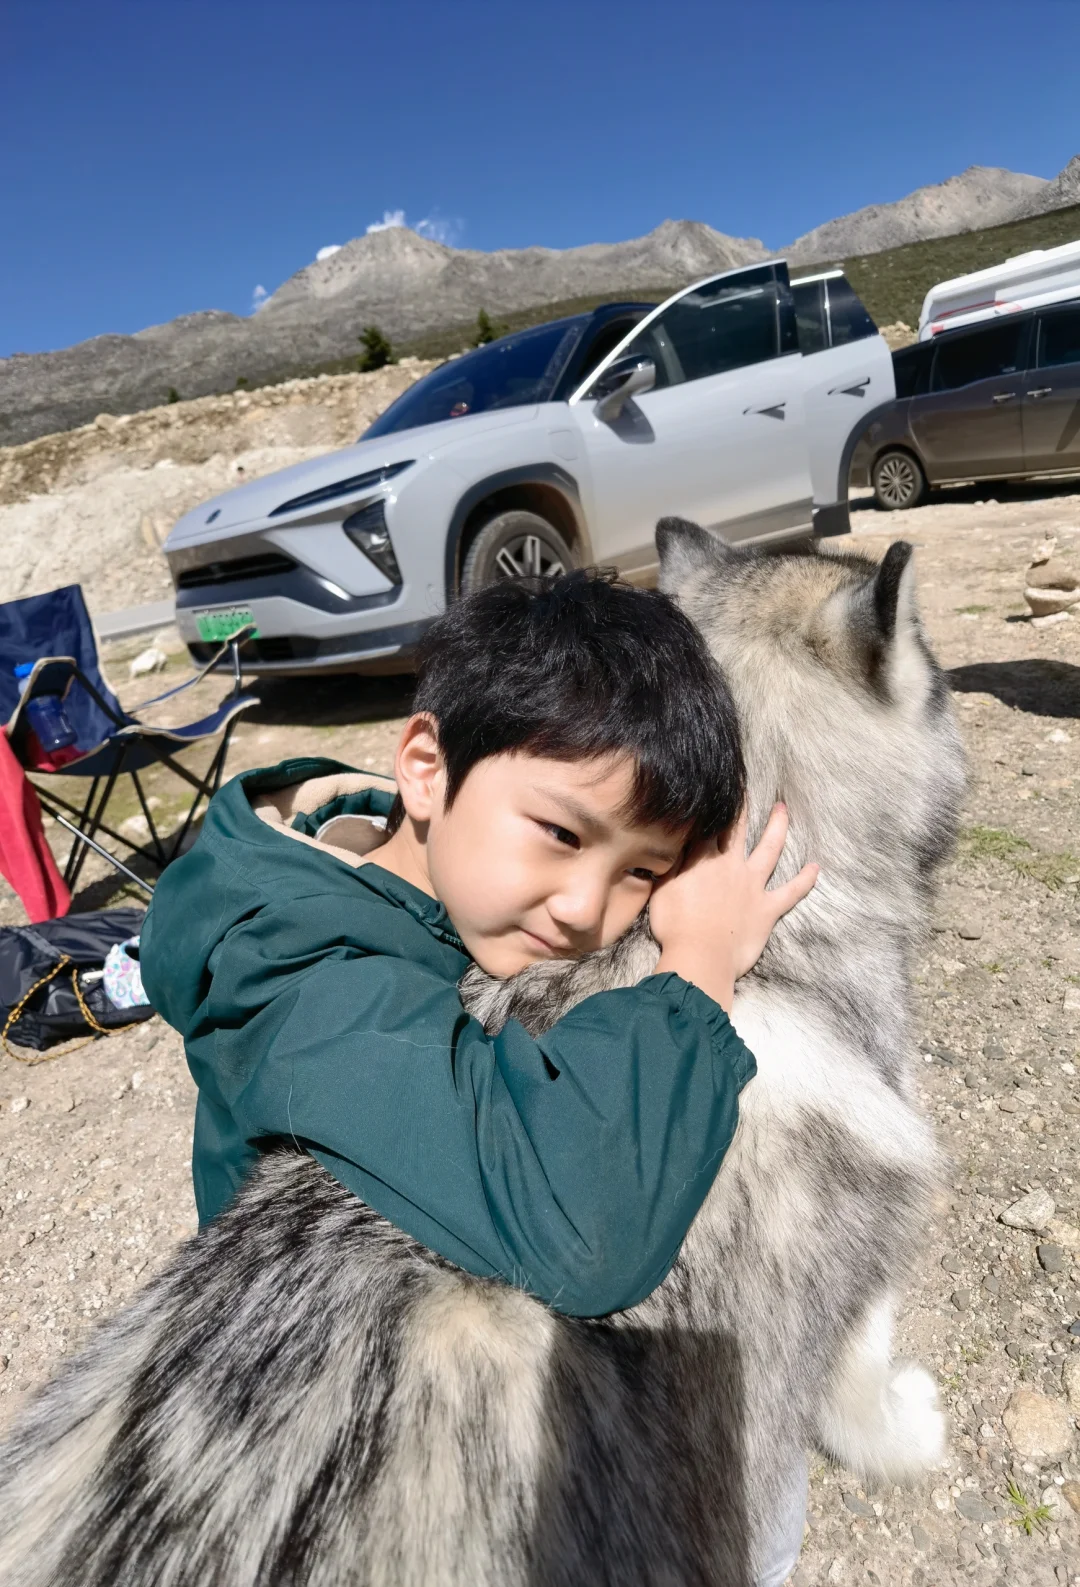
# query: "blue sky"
[[163, 156]]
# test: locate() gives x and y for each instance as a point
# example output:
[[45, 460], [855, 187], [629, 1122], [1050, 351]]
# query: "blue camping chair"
[[54, 632]]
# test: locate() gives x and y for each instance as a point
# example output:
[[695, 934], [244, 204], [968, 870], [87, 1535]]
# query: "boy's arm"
[[571, 1166]]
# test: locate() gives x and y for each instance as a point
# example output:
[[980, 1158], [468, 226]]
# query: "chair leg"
[[209, 787], [48, 798], [83, 818], [159, 848], [91, 831]]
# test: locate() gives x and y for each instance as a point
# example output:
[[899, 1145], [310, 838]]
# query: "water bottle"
[[45, 714]]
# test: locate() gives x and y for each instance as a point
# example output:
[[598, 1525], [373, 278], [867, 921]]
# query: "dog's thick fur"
[[306, 1396]]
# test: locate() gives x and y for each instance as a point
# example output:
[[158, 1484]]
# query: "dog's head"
[[845, 713]]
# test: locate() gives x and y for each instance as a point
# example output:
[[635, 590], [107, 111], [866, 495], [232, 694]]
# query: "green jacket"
[[318, 1002]]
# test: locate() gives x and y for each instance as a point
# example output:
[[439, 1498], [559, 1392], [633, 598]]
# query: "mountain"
[[411, 287], [1058, 194], [980, 196], [405, 283]]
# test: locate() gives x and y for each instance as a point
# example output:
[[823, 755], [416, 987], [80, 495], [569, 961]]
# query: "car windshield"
[[511, 373]]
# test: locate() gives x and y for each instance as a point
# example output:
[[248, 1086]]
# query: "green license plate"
[[218, 626]]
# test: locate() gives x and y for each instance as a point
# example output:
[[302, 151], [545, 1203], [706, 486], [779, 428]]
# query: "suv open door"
[[710, 423]]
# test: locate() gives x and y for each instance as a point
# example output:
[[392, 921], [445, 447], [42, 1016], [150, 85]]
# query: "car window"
[[909, 368], [982, 355], [848, 319], [1059, 337], [722, 325], [811, 315], [510, 373]]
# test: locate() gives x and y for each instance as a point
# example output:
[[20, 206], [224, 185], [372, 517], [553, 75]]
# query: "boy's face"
[[536, 858]]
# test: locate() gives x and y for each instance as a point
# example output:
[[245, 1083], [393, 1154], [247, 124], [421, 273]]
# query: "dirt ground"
[[94, 1185]]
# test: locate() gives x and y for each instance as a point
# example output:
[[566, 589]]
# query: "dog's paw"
[[917, 1423]]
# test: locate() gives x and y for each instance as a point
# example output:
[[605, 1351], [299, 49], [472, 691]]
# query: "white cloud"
[[438, 227], [258, 298], [331, 248], [391, 218]]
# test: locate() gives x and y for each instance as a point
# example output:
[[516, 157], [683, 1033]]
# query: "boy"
[[573, 756]]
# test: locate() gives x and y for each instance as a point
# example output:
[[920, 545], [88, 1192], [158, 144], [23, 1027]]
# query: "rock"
[[19, 1104], [1032, 1211], [992, 1285], [994, 1050], [922, 1539], [1074, 1328], [1009, 1105], [150, 660], [1051, 1258], [859, 1506], [1036, 1124], [1064, 1234], [1050, 619], [1051, 586], [1071, 1001], [1071, 1493], [952, 1264], [973, 1507], [961, 1299], [1039, 1428], [1070, 1378], [970, 930]]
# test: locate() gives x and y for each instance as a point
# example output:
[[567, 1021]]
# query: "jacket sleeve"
[[571, 1166]]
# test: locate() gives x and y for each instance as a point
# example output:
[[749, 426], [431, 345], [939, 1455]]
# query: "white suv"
[[736, 403]]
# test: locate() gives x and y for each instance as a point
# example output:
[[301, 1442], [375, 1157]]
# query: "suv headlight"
[[368, 532]]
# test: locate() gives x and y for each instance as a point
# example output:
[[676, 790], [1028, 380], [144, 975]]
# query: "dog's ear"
[[885, 629], [685, 548], [893, 592]]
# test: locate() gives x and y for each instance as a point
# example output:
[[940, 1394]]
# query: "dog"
[[306, 1397]]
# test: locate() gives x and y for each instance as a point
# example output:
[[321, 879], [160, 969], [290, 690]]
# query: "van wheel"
[[898, 481], [514, 545]]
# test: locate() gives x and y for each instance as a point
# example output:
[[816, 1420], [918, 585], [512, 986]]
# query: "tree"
[[377, 349], [485, 331]]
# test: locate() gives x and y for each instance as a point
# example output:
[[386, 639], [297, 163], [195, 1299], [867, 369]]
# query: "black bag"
[[44, 968]]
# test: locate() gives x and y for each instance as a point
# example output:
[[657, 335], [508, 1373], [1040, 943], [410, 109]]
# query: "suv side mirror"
[[623, 379]]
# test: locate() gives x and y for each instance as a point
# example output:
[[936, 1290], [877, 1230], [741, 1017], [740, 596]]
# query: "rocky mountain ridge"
[[980, 196], [411, 286]]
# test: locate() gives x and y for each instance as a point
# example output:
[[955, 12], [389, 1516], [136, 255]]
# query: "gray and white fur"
[[308, 1398]]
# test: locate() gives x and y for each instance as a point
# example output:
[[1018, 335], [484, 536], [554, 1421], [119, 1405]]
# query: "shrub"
[[377, 349], [174, 395]]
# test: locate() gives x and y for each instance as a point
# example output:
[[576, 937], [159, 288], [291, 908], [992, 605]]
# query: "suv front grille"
[[260, 567]]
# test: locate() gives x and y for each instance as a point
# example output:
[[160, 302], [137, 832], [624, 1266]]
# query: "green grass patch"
[[972, 611], [894, 283], [1029, 1517], [1005, 848]]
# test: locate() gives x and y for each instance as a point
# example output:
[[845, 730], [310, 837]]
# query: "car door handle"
[[1042, 391], [774, 411], [858, 389], [1004, 396]]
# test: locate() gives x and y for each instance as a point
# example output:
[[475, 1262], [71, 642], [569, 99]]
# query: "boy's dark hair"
[[582, 665]]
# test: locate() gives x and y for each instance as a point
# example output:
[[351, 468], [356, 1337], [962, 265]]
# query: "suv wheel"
[[898, 481], [513, 545]]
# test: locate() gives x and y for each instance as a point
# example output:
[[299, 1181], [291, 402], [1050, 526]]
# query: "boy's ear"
[[418, 768]]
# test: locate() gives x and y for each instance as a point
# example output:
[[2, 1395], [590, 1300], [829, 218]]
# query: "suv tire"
[[511, 545], [898, 481]]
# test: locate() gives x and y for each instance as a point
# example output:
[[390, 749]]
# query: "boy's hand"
[[713, 916]]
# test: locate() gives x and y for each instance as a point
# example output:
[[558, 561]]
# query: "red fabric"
[[25, 858]]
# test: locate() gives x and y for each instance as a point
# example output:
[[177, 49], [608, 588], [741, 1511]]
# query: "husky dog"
[[309, 1397]]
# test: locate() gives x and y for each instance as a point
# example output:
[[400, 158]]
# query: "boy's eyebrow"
[[596, 828]]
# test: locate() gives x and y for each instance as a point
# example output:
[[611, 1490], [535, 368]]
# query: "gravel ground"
[[94, 1146]]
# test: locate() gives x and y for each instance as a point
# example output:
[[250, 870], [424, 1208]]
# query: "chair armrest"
[[55, 675], [234, 640]]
